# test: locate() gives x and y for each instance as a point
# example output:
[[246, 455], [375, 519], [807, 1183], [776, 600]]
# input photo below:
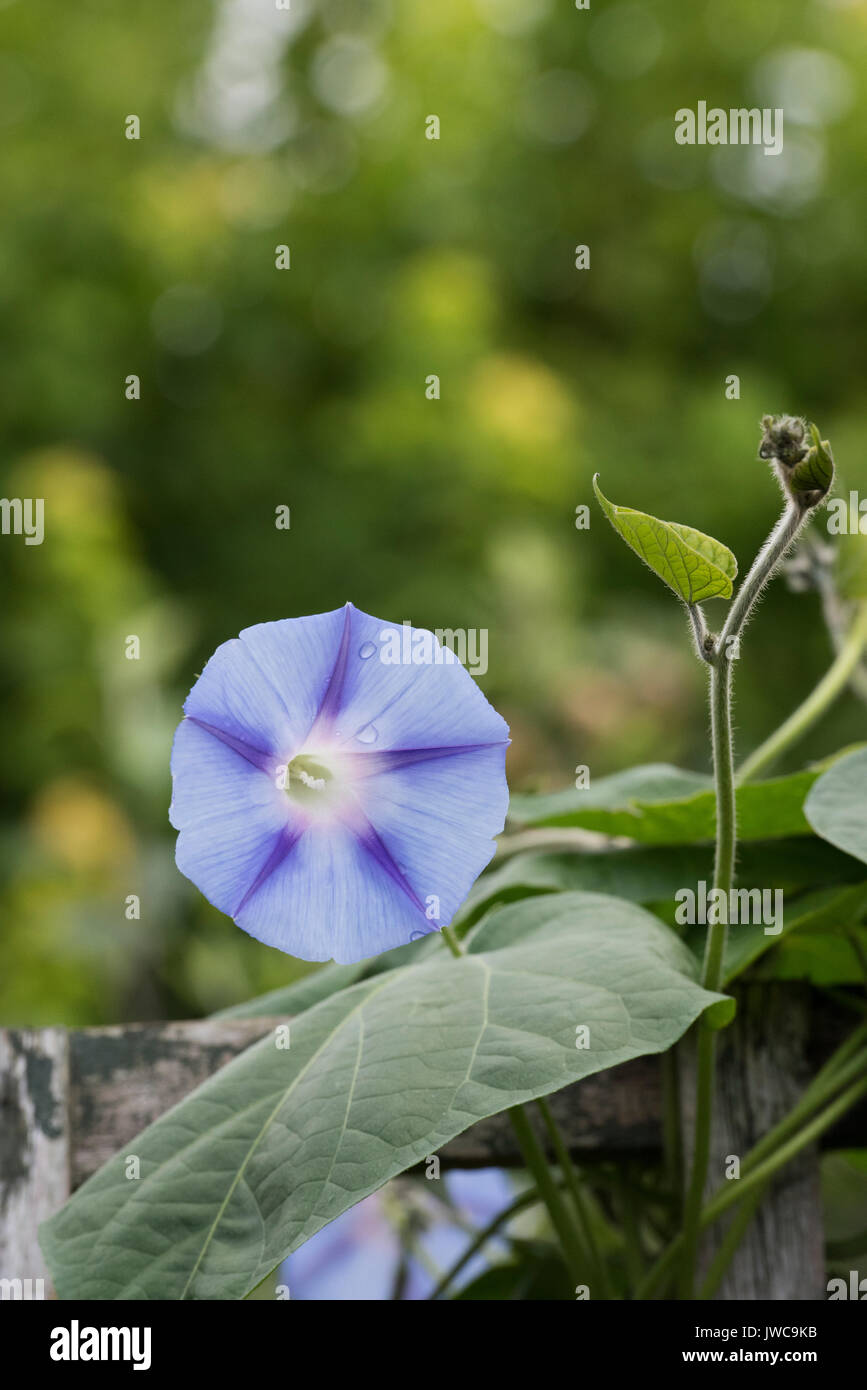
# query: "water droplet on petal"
[[368, 734], [366, 649]]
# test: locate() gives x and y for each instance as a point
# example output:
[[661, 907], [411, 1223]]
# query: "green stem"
[[720, 656], [452, 942], [736, 1191], [524, 1200], [706, 1056], [726, 1197], [628, 1205], [726, 823], [732, 1239], [793, 519], [858, 951], [573, 1184], [537, 1166], [712, 973], [835, 679], [845, 1065], [811, 1101]]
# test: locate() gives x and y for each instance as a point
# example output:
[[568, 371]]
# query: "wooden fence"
[[70, 1098]]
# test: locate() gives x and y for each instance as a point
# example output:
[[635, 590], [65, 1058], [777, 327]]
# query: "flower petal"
[[420, 699], [328, 899], [229, 813], [296, 657], [438, 819]]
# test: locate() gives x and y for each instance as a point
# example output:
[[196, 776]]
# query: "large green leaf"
[[694, 565], [280, 1142], [837, 804], [659, 804]]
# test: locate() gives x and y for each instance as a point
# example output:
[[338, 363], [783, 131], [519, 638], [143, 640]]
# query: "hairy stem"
[[712, 973], [791, 522], [703, 641], [835, 679], [770, 556]]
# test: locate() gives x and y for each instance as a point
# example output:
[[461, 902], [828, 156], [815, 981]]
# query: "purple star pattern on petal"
[[337, 784]]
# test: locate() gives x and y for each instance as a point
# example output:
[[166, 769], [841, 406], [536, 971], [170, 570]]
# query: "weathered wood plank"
[[70, 1100], [34, 1144], [123, 1078], [762, 1068]]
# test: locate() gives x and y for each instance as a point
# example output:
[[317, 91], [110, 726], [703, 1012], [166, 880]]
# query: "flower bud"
[[805, 471], [783, 439]]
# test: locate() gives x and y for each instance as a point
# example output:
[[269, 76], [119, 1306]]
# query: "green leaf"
[[823, 959], [608, 797], [538, 1275], [280, 1142], [844, 1203], [829, 910], [815, 472], [694, 565], [639, 803], [837, 804], [648, 874]]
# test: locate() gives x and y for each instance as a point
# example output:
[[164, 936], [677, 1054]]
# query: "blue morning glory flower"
[[337, 782]]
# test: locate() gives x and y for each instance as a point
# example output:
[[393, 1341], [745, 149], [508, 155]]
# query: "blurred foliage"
[[306, 388]]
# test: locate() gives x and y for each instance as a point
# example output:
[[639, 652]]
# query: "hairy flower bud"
[[805, 471], [783, 439]]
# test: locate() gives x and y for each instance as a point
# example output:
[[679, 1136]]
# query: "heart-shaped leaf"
[[694, 565], [377, 1077]]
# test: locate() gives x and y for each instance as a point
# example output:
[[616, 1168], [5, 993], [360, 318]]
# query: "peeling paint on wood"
[[34, 1143], [124, 1078], [71, 1100]]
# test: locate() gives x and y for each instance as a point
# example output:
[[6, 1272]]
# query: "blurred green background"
[[305, 388]]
